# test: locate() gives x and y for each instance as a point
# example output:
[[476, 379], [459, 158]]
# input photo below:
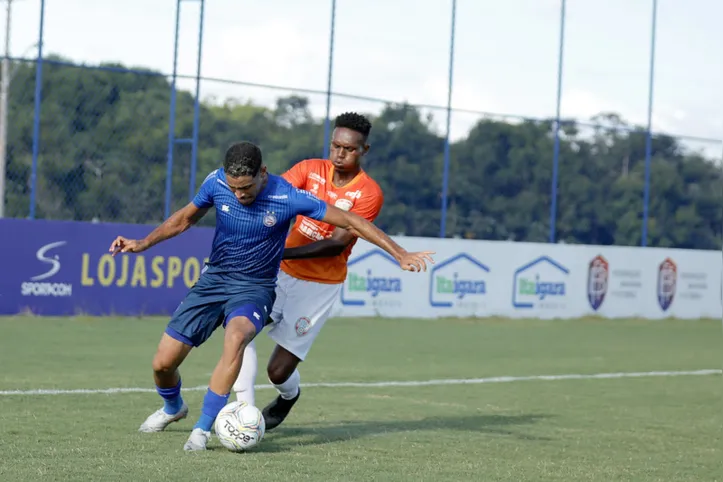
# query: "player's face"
[[246, 188], [347, 148]]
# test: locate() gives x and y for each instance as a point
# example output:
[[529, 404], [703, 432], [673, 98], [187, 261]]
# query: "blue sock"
[[212, 404], [172, 398]]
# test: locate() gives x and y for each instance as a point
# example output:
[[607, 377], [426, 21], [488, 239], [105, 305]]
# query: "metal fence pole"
[[649, 135], [36, 120], [556, 147], [327, 127], [196, 111], [4, 91], [445, 174], [172, 118]]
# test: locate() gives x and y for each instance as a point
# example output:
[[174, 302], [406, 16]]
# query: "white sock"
[[244, 384], [290, 388]]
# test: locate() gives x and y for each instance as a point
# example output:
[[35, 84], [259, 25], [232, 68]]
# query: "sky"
[[505, 62]]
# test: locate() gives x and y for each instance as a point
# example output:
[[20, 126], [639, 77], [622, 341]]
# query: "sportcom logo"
[[667, 283], [540, 284], [598, 273], [372, 279], [458, 281], [36, 286]]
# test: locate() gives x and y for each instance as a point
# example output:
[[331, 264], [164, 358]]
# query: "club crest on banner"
[[667, 283], [598, 274]]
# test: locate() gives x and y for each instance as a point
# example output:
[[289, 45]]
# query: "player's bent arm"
[[364, 229], [325, 248], [177, 223]]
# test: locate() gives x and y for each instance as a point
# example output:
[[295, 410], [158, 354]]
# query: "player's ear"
[[365, 149]]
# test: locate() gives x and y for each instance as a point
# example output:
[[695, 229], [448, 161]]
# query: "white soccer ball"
[[239, 426]]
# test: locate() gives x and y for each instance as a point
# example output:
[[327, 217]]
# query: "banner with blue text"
[[474, 278]]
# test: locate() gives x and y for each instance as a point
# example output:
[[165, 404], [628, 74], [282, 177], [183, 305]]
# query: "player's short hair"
[[355, 122], [242, 159]]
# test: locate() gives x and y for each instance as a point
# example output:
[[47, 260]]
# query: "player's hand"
[[416, 261], [125, 245]]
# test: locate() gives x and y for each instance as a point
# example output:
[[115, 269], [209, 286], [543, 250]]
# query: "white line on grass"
[[419, 383]]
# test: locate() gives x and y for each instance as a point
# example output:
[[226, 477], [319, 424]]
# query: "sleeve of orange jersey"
[[297, 174], [369, 206]]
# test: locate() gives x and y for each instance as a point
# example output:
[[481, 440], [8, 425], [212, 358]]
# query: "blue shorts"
[[215, 299]]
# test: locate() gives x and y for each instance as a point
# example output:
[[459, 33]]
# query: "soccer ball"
[[239, 426]]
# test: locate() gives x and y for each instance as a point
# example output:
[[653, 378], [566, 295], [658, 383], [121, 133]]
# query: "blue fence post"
[[445, 173], [327, 127], [649, 135], [196, 111], [36, 120], [556, 148], [172, 118]]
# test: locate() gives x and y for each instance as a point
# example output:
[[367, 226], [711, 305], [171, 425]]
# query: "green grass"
[[657, 428]]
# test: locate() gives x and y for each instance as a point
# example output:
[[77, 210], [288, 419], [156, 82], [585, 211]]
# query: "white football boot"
[[159, 420], [197, 440]]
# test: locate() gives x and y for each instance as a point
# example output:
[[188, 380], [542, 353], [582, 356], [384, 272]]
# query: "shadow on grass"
[[287, 438]]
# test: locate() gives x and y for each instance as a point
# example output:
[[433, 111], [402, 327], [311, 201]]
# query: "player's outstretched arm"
[[177, 223], [367, 231], [324, 248]]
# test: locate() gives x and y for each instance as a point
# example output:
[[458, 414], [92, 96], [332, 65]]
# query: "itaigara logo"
[[537, 281], [370, 276], [455, 279]]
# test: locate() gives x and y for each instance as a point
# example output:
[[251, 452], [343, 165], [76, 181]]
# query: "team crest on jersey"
[[269, 219], [344, 204], [303, 325]]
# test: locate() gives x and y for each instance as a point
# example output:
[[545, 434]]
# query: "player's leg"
[[307, 308], [283, 373], [241, 325], [244, 385], [170, 354], [192, 323]]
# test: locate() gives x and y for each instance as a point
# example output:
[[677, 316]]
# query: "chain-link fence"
[[91, 142]]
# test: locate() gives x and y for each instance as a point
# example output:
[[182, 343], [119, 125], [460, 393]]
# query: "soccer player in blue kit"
[[236, 289]]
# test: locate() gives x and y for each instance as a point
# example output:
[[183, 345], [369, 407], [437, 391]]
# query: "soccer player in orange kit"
[[314, 264]]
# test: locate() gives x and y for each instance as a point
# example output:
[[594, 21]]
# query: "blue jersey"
[[249, 240]]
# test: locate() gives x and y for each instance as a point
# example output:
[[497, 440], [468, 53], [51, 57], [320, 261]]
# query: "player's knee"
[[279, 371], [162, 363], [277, 374], [239, 333], [238, 340]]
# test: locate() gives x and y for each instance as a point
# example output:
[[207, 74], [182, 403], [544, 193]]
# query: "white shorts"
[[300, 311]]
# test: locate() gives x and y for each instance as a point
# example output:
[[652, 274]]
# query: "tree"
[[104, 151]]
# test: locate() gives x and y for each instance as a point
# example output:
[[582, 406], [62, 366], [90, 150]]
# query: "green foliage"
[[104, 141]]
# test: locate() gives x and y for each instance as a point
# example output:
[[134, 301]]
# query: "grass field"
[[662, 428]]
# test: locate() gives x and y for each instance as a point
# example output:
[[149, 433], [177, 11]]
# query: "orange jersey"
[[362, 196]]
